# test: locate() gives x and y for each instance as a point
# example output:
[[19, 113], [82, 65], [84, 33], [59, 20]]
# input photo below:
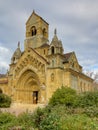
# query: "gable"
[[30, 58], [74, 63], [73, 58], [34, 18]]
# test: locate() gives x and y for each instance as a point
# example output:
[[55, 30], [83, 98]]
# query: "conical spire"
[[33, 11], [55, 38], [55, 31], [56, 45], [16, 55], [18, 44]]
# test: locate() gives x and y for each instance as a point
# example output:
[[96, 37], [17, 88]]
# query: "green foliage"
[[38, 116], [64, 95], [44, 119], [58, 117], [61, 117], [91, 111], [7, 120], [79, 122], [25, 120], [5, 100], [87, 99], [67, 110], [11, 122], [50, 122]]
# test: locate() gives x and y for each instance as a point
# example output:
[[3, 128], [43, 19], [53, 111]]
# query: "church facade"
[[42, 67]]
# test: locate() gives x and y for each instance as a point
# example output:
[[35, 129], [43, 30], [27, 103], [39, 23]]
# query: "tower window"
[[52, 49], [33, 31]]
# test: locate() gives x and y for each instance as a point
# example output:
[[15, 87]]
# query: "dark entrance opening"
[[1, 91], [35, 97]]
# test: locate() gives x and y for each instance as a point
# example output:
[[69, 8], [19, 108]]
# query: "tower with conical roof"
[[17, 54], [55, 52], [56, 45]]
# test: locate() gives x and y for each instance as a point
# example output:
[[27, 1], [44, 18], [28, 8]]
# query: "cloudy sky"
[[76, 22]]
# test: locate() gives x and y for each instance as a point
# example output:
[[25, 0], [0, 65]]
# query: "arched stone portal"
[[28, 88]]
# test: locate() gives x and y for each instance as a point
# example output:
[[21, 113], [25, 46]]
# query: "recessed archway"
[[28, 88]]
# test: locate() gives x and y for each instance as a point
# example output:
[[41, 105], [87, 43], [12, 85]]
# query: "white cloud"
[[5, 56]]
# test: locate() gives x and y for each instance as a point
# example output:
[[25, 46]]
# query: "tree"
[[93, 76]]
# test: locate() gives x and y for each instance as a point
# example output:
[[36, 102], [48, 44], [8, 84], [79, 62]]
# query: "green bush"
[[87, 99], [5, 101], [58, 117], [63, 95], [11, 122], [25, 120], [79, 122], [91, 111], [50, 121], [7, 120], [45, 119], [38, 116]]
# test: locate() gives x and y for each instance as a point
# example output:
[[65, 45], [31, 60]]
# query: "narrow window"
[[52, 49], [33, 31]]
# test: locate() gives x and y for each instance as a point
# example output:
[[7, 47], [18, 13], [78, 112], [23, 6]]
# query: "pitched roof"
[[39, 55], [67, 56], [45, 45], [33, 13]]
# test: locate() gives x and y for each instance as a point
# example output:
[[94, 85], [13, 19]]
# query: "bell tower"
[[36, 31]]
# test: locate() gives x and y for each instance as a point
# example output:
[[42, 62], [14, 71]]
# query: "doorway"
[[35, 97]]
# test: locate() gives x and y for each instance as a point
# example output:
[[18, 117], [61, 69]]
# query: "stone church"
[[42, 67]]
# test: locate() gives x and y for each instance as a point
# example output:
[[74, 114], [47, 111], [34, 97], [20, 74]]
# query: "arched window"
[[52, 50], [33, 31]]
